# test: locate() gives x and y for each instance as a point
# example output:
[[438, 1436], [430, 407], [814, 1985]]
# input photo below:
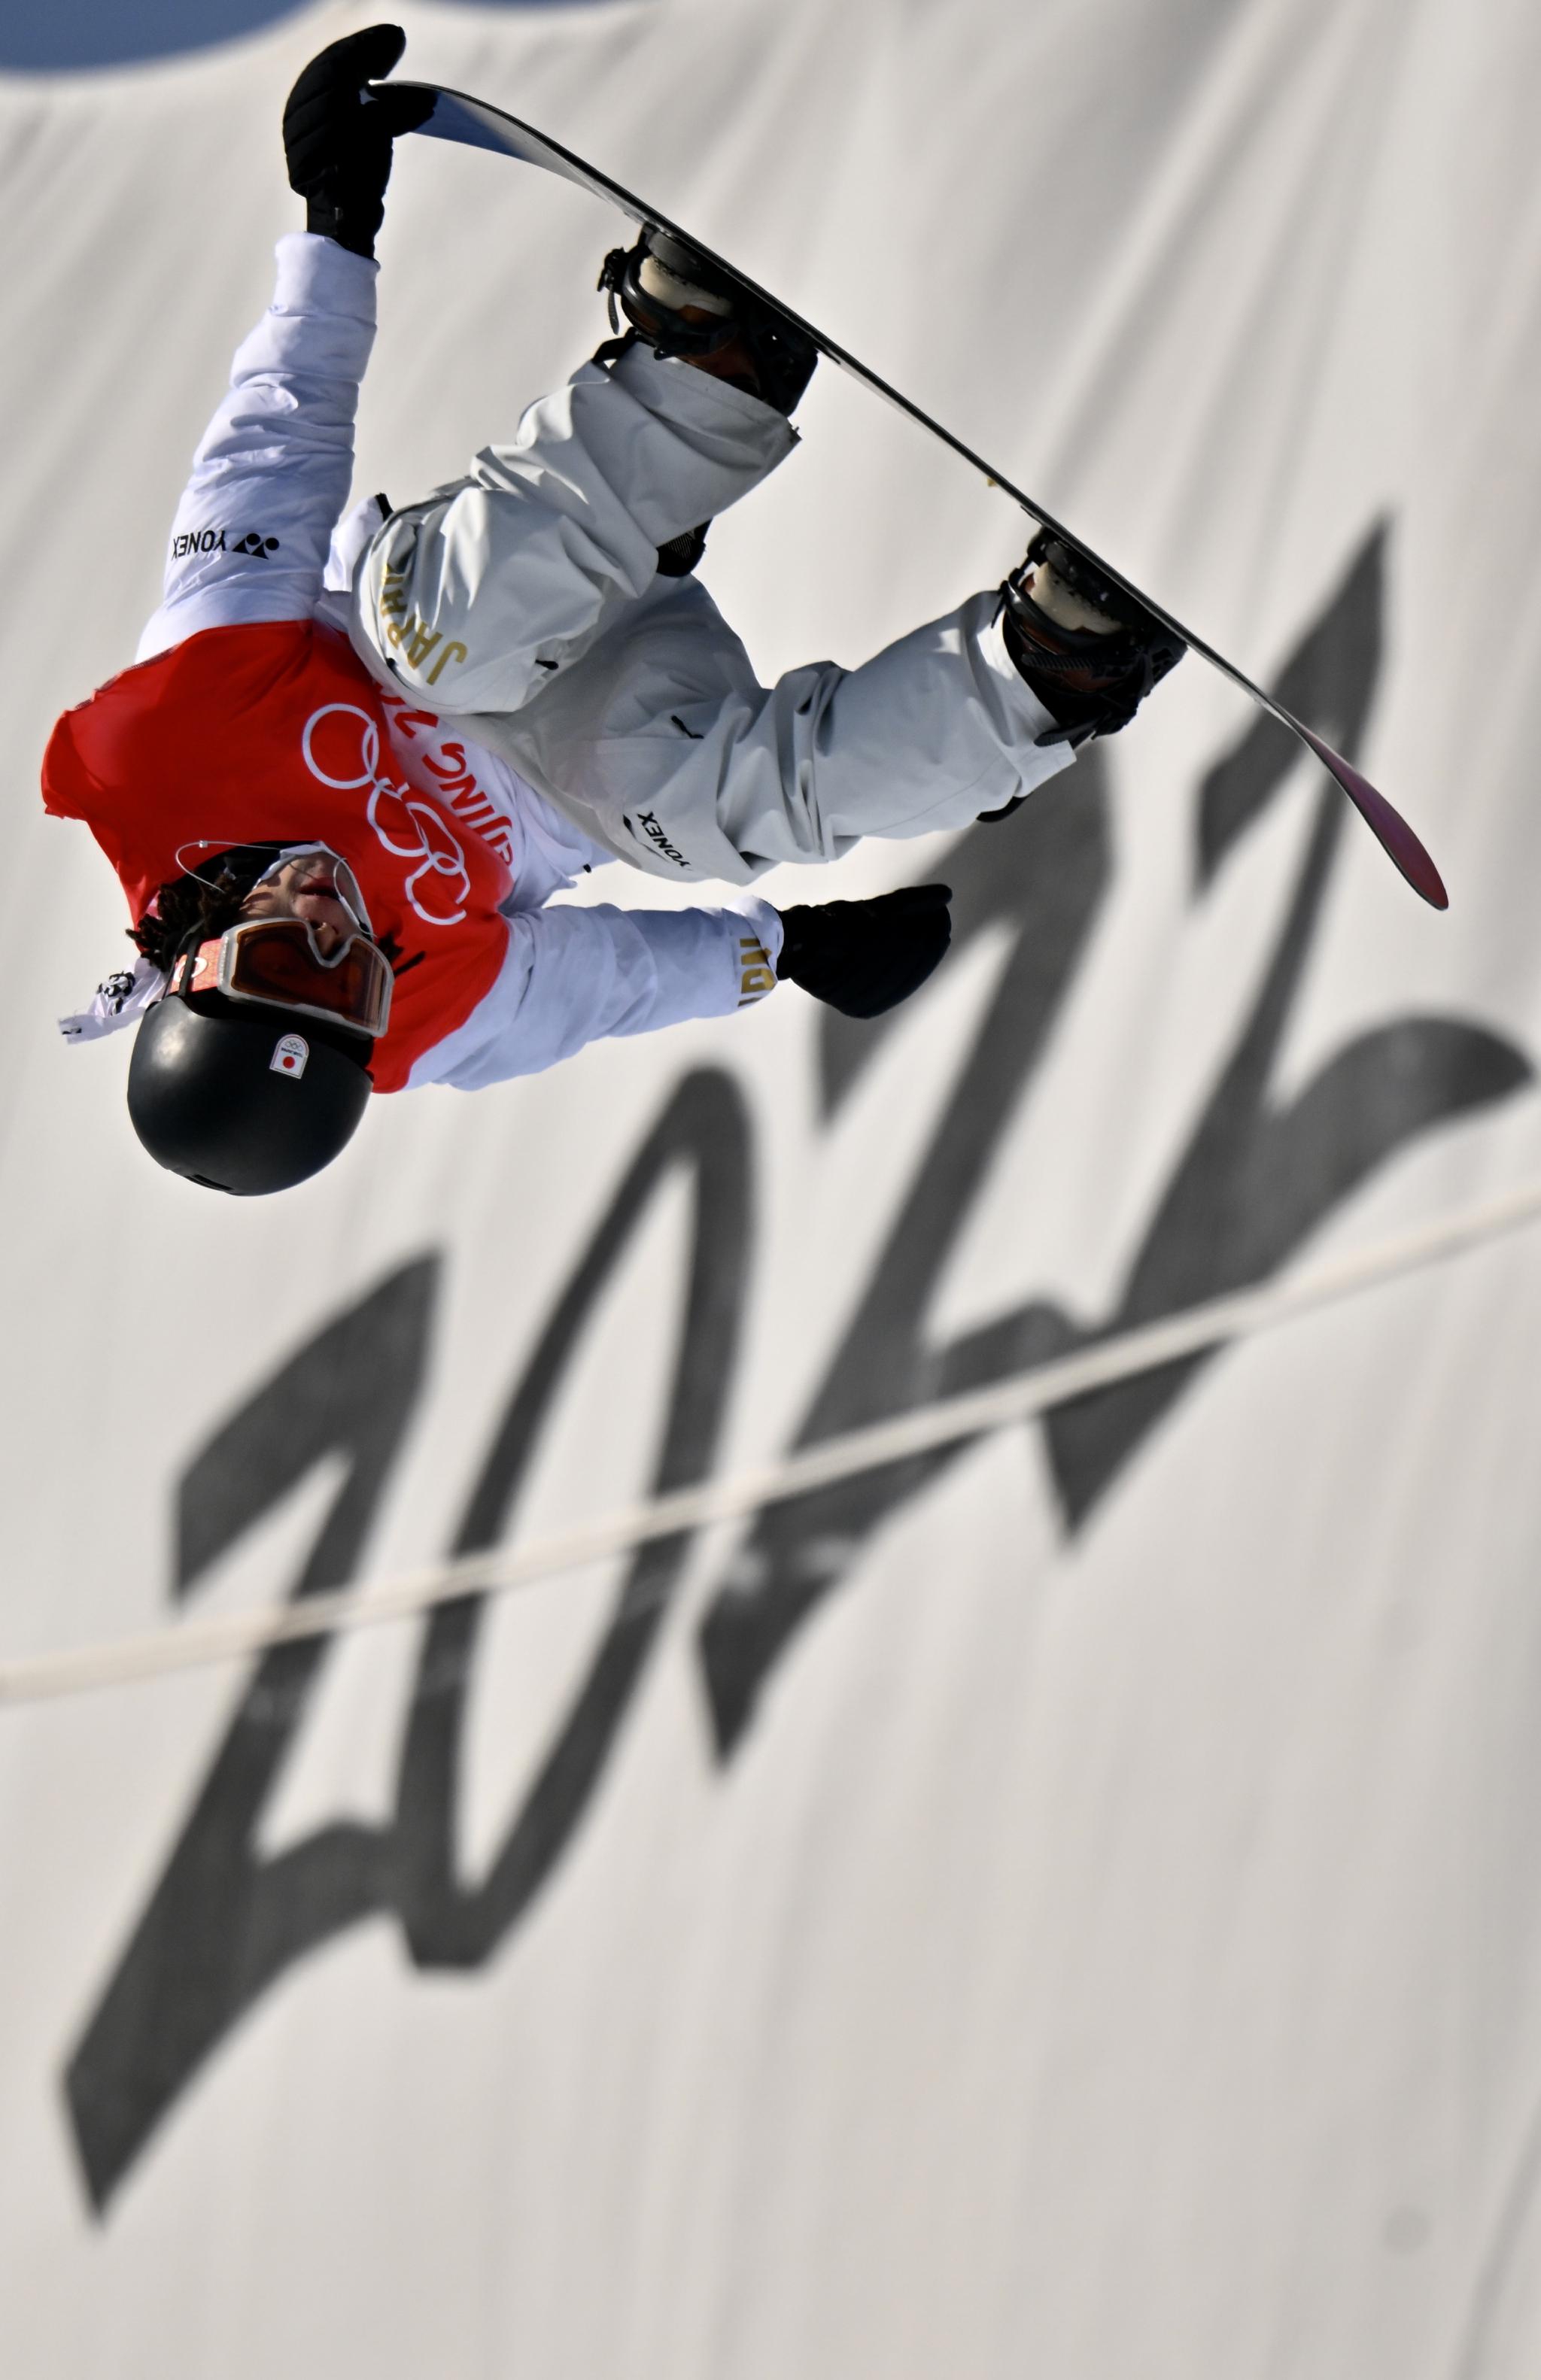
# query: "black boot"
[[681, 306], [1090, 652]]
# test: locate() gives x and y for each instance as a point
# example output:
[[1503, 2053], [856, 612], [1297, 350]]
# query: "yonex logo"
[[215, 540], [290, 1055], [648, 821]]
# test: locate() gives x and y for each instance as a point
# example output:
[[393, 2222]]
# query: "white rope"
[[39, 1677]]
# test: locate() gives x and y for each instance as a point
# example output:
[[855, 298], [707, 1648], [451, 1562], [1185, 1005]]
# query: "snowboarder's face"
[[317, 888]]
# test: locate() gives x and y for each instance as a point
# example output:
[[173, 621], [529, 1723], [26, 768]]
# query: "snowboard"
[[471, 122]]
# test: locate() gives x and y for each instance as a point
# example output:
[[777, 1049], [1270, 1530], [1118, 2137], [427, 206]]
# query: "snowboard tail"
[[473, 124]]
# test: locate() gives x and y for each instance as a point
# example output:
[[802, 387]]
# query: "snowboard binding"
[[681, 306], [1090, 652]]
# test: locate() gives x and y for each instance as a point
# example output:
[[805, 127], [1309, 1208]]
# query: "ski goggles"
[[273, 963]]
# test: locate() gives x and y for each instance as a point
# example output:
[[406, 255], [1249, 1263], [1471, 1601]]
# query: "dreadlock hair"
[[191, 909]]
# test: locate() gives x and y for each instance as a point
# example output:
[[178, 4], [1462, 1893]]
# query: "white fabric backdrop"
[[1077, 1913]]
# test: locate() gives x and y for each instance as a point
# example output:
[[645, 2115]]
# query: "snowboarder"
[[357, 758]]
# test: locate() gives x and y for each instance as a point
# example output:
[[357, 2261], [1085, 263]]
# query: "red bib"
[[277, 733]]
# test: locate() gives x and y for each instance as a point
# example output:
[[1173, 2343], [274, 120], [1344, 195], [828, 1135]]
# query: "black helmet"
[[239, 1099]]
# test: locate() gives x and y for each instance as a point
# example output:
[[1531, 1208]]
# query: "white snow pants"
[[525, 602]]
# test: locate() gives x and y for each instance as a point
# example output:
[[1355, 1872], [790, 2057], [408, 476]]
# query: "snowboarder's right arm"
[[576, 973]]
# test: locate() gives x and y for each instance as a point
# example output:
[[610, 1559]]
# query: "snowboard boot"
[[679, 305], [1090, 652]]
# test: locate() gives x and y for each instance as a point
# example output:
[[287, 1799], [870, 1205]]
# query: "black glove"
[[338, 143], [865, 956]]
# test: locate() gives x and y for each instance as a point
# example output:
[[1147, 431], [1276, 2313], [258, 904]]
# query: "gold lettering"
[[452, 652]]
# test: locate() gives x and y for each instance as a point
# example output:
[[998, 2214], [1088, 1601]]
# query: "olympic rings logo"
[[438, 887]]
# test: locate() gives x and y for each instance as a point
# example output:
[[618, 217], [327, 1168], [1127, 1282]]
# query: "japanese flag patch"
[[290, 1053]]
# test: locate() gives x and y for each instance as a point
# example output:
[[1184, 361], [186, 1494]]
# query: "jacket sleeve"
[[577, 975], [271, 476]]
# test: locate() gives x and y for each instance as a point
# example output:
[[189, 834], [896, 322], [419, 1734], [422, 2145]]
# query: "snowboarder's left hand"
[[865, 956], [337, 140]]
